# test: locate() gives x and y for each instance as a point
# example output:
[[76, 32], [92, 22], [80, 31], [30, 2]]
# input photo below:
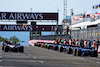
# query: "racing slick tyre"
[[78, 53], [6, 48], [51, 47], [55, 47], [35, 44], [86, 53], [39, 45], [48, 47], [69, 50], [74, 52], [15, 50], [21, 49], [42, 45], [61, 49], [95, 53], [2, 47]]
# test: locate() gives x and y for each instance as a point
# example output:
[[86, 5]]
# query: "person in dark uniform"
[[81, 43], [97, 43], [89, 43]]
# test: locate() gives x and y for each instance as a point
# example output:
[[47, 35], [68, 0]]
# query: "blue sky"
[[79, 6]]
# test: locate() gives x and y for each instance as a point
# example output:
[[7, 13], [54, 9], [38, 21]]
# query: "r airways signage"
[[16, 28], [25, 27], [28, 16]]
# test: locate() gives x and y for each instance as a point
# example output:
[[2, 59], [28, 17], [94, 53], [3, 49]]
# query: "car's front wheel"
[[21, 49]]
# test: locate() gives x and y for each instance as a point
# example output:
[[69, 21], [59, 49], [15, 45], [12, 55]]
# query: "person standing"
[[70, 42], [97, 43], [77, 42], [94, 44], [85, 43], [89, 43], [81, 43]]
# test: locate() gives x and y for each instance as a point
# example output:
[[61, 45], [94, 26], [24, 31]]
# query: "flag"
[[79, 18], [93, 16], [96, 6], [93, 7], [99, 5], [97, 13], [88, 15]]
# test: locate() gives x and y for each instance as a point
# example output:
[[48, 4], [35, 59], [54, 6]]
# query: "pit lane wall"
[[32, 42], [51, 37]]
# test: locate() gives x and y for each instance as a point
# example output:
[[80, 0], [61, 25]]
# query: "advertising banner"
[[28, 16], [16, 28], [29, 27]]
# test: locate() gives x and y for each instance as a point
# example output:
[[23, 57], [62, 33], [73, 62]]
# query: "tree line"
[[13, 38]]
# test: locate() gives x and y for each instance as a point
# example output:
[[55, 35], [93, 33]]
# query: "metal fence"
[[90, 33]]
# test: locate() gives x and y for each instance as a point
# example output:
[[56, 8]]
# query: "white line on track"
[[62, 53], [0, 56], [29, 54], [34, 57], [71, 55], [0, 53], [98, 62], [26, 52], [82, 58], [41, 62], [1, 60]]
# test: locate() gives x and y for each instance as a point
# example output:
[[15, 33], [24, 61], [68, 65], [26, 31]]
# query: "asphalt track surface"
[[41, 57]]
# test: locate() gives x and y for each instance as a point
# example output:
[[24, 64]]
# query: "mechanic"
[[97, 43], [94, 44], [81, 43], [73, 42], [77, 42], [85, 43], [70, 42], [89, 43], [64, 42]]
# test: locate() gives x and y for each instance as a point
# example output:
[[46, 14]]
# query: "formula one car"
[[39, 44], [12, 46], [48, 45], [86, 52], [54, 46], [66, 47], [63, 47]]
